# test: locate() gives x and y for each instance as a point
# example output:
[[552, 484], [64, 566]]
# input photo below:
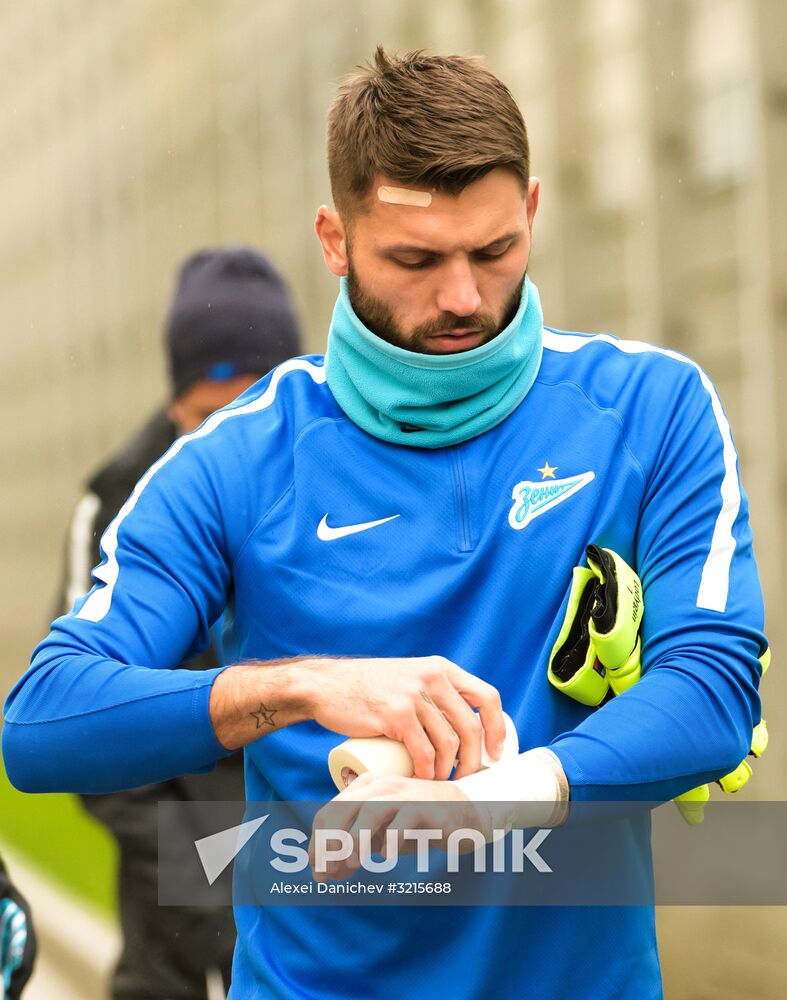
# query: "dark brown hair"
[[437, 122]]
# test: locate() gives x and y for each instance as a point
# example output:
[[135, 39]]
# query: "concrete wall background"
[[133, 132]]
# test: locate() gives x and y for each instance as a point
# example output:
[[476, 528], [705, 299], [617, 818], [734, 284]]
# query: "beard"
[[379, 317]]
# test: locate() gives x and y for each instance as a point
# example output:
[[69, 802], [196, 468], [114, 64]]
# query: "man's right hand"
[[424, 702]]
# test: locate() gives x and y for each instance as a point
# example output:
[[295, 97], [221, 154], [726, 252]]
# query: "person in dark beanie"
[[231, 320], [231, 317]]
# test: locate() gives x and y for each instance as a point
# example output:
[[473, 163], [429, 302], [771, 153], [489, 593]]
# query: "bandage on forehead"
[[404, 196]]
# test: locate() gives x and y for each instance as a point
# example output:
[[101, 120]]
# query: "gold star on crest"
[[548, 471]]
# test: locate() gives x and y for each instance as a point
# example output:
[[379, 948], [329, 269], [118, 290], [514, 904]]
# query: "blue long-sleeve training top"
[[617, 443]]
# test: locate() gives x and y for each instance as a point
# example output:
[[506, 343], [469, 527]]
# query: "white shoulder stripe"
[[715, 581], [98, 602], [80, 539]]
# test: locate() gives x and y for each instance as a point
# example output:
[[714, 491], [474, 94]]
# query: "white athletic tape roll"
[[381, 755]]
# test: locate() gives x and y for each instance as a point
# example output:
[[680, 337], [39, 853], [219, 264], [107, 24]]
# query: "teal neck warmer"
[[431, 400]]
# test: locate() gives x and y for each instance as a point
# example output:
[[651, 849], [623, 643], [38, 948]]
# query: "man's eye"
[[415, 265], [492, 255]]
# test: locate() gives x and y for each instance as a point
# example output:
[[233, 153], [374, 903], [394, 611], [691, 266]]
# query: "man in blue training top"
[[376, 525]]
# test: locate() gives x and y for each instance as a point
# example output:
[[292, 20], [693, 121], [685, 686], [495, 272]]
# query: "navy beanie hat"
[[231, 314]]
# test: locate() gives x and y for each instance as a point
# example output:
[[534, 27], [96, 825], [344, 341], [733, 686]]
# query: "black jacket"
[[107, 490]]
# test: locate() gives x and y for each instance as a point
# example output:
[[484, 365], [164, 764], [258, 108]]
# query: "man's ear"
[[175, 413], [533, 191], [333, 238]]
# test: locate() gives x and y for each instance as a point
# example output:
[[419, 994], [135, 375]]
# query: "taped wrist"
[[528, 790]]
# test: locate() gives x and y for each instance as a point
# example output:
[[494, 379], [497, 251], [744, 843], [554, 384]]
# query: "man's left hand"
[[386, 807]]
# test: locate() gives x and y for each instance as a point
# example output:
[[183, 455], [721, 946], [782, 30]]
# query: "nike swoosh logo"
[[328, 534]]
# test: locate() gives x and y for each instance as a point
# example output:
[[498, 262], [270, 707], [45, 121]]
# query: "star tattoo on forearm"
[[264, 715]]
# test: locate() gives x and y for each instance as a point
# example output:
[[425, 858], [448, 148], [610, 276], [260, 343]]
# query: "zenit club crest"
[[533, 499]]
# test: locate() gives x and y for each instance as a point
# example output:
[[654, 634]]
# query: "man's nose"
[[458, 292]]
